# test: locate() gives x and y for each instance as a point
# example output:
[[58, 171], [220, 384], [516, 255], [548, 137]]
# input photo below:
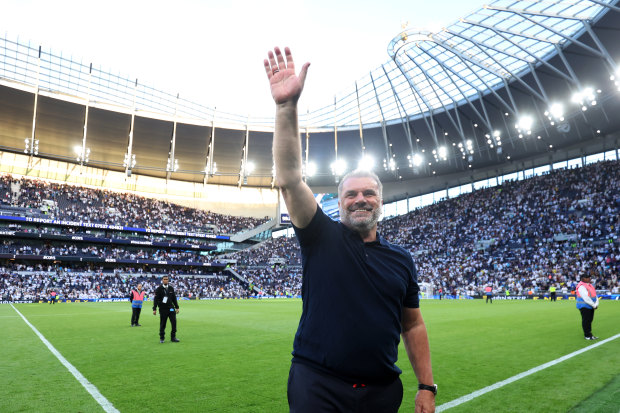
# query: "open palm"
[[285, 85]]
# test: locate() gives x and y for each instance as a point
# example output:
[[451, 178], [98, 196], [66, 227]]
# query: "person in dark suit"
[[166, 300]]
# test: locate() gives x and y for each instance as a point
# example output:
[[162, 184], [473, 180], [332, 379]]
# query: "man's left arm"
[[156, 299], [415, 339], [175, 303]]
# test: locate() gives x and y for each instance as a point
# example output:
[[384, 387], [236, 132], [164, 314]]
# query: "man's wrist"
[[432, 388]]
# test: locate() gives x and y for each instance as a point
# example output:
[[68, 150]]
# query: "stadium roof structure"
[[514, 84]]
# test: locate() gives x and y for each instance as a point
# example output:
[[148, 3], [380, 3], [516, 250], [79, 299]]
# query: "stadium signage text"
[[112, 227]]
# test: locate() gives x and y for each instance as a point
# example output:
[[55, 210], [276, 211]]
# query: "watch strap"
[[432, 388]]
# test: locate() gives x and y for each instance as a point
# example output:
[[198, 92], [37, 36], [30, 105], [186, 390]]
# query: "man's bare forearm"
[[287, 146], [418, 350]]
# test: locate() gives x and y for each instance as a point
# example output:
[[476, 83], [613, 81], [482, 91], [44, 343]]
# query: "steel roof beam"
[[416, 93], [446, 69], [431, 82], [531, 13], [607, 58], [467, 62], [359, 117], [398, 106], [543, 62], [509, 31], [388, 152], [572, 39], [209, 164], [608, 5], [470, 58], [482, 47]]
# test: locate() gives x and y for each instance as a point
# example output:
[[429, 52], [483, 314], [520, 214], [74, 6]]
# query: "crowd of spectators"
[[521, 237], [274, 281], [77, 203], [281, 248], [37, 283], [94, 251]]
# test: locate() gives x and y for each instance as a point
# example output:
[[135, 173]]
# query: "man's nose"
[[359, 199]]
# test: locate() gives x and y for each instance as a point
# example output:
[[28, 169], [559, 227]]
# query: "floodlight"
[[417, 159], [392, 164], [443, 152], [366, 163], [556, 111], [525, 124], [339, 166], [249, 167], [584, 97], [311, 169]]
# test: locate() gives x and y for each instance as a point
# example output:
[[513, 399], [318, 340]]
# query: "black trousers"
[[489, 297], [135, 315], [164, 315], [313, 391], [553, 297], [587, 315]]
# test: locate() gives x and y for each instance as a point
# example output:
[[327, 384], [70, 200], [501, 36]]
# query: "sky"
[[211, 52]]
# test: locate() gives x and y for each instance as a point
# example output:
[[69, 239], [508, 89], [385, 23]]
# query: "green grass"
[[234, 356]]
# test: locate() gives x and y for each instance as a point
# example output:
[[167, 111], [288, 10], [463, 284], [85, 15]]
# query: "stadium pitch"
[[234, 355]]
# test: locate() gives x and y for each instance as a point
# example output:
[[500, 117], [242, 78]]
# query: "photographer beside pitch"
[[359, 292]]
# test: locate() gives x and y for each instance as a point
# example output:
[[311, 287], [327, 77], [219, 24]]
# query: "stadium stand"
[[520, 236], [37, 197]]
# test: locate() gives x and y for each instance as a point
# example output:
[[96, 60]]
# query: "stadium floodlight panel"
[[556, 111], [585, 96], [311, 169], [442, 151], [417, 159], [339, 166], [391, 164], [249, 167], [367, 163], [525, 123]]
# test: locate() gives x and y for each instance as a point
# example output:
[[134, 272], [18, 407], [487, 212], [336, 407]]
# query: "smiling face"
[[360, 203]]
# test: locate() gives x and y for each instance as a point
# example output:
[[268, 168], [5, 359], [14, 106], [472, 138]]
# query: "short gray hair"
[[361, 173]]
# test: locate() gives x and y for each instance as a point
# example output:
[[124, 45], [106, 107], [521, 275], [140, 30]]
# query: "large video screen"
[[327, 201]]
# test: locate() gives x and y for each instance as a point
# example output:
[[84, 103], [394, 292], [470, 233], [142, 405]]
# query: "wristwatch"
[[432, 388]]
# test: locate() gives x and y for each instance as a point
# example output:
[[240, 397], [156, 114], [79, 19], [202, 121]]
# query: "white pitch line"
[[99, 398], [519, 376]]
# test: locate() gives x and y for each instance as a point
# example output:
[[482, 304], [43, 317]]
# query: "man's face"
[[139, 286], [164, 280], [360, 203]]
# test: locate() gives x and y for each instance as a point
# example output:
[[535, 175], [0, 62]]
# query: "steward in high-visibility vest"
[[488, 290], [137, 298], [591, 293], [587, 302], [552, 294]]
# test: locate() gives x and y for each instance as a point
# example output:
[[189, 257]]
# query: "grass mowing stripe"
[[519, 376], [99, 398]]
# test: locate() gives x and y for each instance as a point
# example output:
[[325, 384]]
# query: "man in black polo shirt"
[[359, 291]]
